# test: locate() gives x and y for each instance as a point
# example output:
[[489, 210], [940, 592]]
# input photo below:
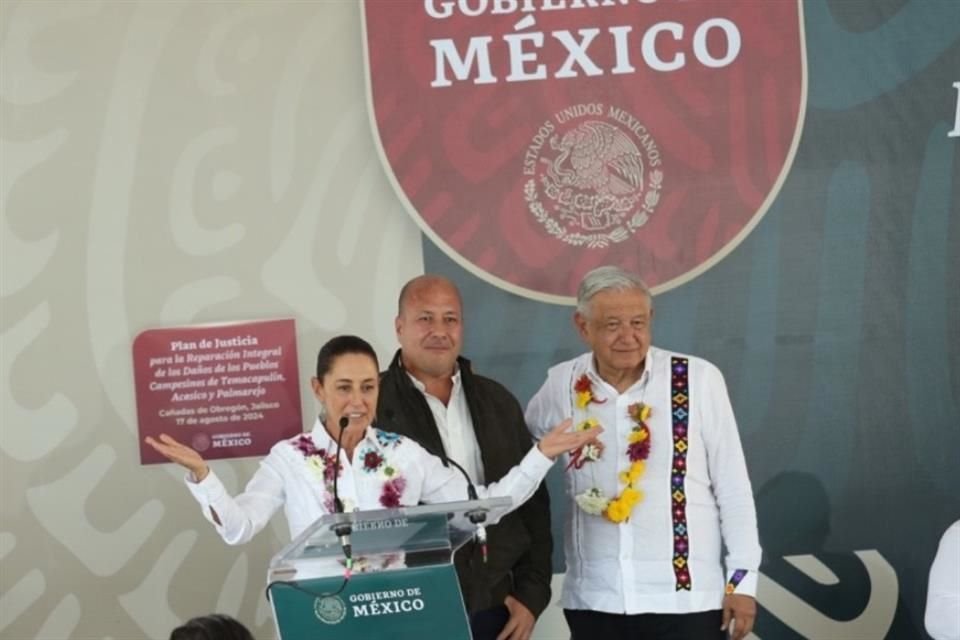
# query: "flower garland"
[[588, 452], [593, 500], [584, 392]]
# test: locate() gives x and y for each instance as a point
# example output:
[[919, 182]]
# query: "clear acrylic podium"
[[403, 586]]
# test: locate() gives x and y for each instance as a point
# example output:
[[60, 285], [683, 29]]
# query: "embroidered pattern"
[[304, 444], [371, 459], [680, 406], [387, 439], [735, 580], [323, 465], [368, 459], [374, 462], [392, 492]]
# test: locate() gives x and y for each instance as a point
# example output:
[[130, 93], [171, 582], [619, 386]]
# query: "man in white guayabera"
[[664, 490], [942, 616]]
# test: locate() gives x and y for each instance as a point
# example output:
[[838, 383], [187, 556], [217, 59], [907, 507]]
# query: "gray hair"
[[607, 278]]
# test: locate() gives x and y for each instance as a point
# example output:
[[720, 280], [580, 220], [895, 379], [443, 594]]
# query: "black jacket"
[[520, 545]]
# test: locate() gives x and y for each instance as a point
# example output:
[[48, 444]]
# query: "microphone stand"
[[342, 529], [476, 516]]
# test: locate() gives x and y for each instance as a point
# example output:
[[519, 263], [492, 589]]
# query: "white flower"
[[592, 501], [591, 452], [316, 466]]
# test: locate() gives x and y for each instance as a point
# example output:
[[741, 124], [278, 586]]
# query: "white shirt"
[[942, 618], [456, 427], [630, 567], [387, 470]]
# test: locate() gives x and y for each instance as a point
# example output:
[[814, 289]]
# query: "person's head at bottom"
[[215, 626]]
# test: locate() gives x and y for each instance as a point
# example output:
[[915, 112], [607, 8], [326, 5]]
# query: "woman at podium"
[[345, 461]]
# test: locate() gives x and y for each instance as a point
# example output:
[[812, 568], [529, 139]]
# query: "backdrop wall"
[[166, 163]]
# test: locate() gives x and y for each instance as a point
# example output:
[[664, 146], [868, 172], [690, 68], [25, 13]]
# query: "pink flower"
[[392, 492], [331, 468], [304, 445], [639, 450], [372, 461]]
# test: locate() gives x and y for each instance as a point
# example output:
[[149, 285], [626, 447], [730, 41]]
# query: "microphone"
[[476, 516], [471, 490], [342, 529], [337, 505]]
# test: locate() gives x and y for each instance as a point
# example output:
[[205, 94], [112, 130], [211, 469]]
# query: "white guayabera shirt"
[[387, 470], [666, 558], [942, 617]]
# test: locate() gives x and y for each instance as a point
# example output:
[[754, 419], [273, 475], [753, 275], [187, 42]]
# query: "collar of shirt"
[[595, 376], [323, 440], [422, 388], [455, 426]]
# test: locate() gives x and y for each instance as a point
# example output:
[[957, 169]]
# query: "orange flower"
[[631, 496], [584, 398], [639, 411], [617, 511], [587, 424], [583, 388]]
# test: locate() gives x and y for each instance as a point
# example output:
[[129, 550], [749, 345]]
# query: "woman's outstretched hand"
[[561, 439], [181, 454]]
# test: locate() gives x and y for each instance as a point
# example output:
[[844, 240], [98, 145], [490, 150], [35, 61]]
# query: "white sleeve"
[[548, 407], [942, 618], [730, 481], [242, 517], [447, 484]]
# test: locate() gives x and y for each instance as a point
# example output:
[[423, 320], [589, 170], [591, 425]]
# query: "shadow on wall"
[[793, 518]]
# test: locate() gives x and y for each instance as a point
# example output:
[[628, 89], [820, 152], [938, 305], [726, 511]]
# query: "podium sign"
[[394, 605], [403, 580]]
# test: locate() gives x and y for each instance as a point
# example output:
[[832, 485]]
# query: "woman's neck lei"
[[593, 500]]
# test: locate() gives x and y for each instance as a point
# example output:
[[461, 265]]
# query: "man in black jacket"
[[430, 394]]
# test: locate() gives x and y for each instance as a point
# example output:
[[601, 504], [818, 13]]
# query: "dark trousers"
[[487, 624], [591, 625]]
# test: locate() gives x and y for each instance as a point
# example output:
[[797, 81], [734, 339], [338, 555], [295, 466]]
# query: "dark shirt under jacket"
[[520, 545]]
